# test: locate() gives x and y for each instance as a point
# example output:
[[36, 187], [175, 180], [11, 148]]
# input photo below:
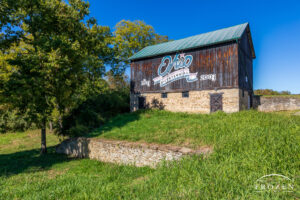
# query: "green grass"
[[199, 129], [25, 174], [247, 145]]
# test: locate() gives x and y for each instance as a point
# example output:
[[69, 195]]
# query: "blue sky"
[[275, 27]]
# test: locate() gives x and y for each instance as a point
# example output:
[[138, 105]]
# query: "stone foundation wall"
[[244, 99], [121, 152], [269, 104], [197, 102]]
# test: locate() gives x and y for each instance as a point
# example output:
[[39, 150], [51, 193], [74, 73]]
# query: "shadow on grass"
[[117, 122], [29, 161]]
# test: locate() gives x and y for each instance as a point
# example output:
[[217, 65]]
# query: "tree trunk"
[[51, 126], [60, 121], [43, 138]]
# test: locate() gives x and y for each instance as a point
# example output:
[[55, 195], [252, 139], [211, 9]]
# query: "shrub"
[[93, 112], [270, 92], [77, 130], [11, 121]]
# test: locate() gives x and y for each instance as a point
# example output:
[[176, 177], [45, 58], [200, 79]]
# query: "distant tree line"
[[271, 92], [60, 69]]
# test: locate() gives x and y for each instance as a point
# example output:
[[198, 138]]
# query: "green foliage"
[[11, 120], [118, 81], [78, 129], [53, 58], [129, 38], [247, 145], [93, 112], [63, 49], [270, 92]]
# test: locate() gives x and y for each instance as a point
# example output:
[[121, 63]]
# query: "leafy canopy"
[[62, 48], [129, 38]]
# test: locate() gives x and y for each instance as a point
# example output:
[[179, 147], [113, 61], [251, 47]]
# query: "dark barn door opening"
[[142, 102], [216, 102]]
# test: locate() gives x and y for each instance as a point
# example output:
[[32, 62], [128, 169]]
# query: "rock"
[[185, 150]]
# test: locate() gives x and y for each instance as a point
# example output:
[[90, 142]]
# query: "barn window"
[[164, 95], [185, 94]]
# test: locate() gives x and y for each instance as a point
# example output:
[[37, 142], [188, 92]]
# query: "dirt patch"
[[297, 113], [33, 135], [52, 173], [13, 143], [139, 180]]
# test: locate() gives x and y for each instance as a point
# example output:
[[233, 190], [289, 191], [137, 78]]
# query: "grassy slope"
[[247, 145]]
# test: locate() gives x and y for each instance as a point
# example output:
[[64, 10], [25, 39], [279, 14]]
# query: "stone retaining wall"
[[270, 104], [121, 152]]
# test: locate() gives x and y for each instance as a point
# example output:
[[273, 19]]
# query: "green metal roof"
[[205, 39]]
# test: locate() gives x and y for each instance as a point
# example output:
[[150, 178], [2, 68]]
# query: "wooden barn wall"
[[245, 64], [219, 60]]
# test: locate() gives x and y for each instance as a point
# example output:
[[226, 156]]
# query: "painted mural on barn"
[[180, 63]]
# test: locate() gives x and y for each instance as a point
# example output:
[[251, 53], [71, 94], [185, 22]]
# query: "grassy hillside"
[[218, 129], [247, 145]]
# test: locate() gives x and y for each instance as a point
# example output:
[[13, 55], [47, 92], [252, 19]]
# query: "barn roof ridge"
[[201, 40]]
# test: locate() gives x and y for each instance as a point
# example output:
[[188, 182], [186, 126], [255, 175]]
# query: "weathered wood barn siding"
[[245, 63], [221, 60]]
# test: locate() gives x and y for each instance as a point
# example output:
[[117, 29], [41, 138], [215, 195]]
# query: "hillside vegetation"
[[247, 145]]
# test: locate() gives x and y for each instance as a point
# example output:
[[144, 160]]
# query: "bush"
[[77, 130], [270, 92], [11, 121], [94, 112]]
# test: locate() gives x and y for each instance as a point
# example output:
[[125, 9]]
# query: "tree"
[[63, 48], [129, 38], [117, 81], [271, 92]]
